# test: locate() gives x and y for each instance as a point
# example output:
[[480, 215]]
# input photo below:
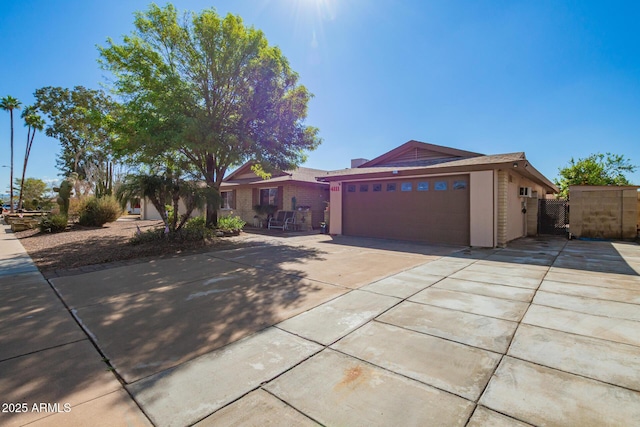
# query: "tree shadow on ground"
[[151, 316], [154, 315]]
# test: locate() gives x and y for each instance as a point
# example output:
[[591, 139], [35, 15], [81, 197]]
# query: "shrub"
[[196, 223], [148, 236], [75, 205], [230, 223], [195, 229], [53, 223], [169, 210], [96, 212]]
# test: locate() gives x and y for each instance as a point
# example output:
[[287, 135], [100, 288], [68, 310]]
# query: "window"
[[440, 186], [226, 201], [269, 196], [377, 187], [364, 188], [351, 188], [406, 186], [423, 186], [459, 185], [391, 186]]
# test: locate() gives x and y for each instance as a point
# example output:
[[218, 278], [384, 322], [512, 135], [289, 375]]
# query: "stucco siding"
[[335, 208], [481, 209]]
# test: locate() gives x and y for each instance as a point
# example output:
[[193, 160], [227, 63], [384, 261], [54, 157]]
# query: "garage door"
[[434, 210]]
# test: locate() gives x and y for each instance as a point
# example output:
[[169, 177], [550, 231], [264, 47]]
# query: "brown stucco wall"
[[521, 224], [604, 212]]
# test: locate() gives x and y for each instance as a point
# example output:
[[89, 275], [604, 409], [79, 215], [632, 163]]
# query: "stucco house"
[[425, 192], [288, 190]]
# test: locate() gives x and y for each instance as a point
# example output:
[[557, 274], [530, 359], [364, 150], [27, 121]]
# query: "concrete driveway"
[[314, 330]]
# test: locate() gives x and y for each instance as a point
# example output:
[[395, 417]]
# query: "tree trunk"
[[11, 173], [212, 211], [212, 208], [24, 166], [176, 207]]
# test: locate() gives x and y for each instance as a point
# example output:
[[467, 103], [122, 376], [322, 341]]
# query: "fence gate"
[[553, 216]]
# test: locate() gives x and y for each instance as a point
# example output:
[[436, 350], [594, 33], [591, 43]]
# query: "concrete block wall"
[[503, 186], [629, 214], [243, 206], [310, 195], [604, 212]]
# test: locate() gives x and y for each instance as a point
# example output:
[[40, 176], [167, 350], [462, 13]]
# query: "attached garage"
[[423, 209], [434, 194]]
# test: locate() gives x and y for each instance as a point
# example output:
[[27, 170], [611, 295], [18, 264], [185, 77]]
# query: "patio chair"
[[278, 221], [290, 222]]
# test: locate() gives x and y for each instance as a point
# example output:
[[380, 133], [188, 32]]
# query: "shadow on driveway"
[[149, 317]]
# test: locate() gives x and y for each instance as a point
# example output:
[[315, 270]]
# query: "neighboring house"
[[149, 212], [288, 190], [430, 193]]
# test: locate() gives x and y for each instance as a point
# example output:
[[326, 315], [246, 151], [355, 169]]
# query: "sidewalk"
[[50, 372]]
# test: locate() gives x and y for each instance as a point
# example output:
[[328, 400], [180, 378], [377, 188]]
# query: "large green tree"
[[9, 103], [80, 119], [210, 89], [33, 190], [33, 122], [597, 169]]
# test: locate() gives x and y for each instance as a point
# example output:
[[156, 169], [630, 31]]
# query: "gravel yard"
[[74, 250]]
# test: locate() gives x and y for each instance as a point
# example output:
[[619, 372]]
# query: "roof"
[[299, 174], [480, 162], [416, 153], [474, 161]]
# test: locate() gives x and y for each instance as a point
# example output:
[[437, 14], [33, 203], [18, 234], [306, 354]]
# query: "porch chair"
[[278, 220], [290, 223]]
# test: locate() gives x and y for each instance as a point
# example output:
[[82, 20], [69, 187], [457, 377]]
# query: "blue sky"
[[553, 79]]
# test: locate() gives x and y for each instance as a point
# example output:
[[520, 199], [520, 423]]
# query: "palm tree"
[[9, 103], [154, 187], [34, 123], [162, 190]]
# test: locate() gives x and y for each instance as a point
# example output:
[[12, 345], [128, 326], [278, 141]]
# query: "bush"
[[148, 236], [230, 223], [74, 208], [195, 229], [96, 212], [53, 224]]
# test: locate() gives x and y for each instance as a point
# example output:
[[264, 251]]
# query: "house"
[[425, 192], [287, 190], [243, 189]]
